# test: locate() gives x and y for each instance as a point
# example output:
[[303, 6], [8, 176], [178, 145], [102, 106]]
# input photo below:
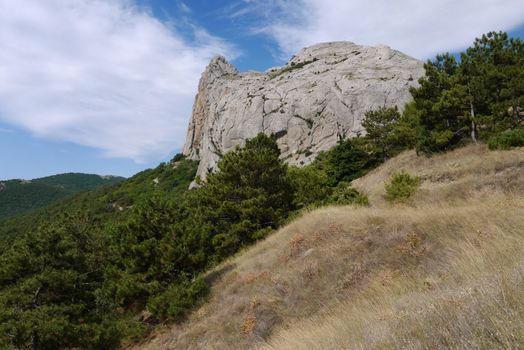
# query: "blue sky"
[[106, 86]]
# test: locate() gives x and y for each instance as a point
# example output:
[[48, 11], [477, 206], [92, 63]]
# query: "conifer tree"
[[380, 126], [478, 97], [248, 195], [48, 289]]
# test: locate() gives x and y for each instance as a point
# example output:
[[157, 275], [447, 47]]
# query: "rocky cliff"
[[319, 97]]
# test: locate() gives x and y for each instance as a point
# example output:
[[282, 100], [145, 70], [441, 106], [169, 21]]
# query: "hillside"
[[109, 203], [20, 196], [442, 271]]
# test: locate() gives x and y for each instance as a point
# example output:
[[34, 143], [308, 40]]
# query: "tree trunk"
[[34, 341], [34, 334], [473, 124]]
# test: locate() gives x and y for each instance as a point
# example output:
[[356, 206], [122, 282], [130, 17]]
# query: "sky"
[[107, 86]]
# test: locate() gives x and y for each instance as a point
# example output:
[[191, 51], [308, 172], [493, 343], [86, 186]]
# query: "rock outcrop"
[[319, 97]]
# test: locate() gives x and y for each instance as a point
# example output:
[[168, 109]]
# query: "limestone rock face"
[[319, 97]]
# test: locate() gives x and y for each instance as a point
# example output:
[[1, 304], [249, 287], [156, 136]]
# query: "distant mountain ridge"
[[20, 196]]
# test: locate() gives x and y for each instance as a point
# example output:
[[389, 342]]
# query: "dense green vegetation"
[[49, 281], [507, 139], [19, 196], [478, 98], [165, 246], [103, 267], [55, 276], [111, 203], [327, 180]]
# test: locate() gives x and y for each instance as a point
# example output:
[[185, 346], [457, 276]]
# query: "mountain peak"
[[219, 66], [318, 98]]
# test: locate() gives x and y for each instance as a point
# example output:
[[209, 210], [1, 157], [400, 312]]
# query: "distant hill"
[[107, 203], [21, 196]]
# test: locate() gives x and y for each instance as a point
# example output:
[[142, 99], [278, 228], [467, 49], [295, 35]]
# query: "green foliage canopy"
[[478, 97], [48, 288], [248, 195], [19, 196]]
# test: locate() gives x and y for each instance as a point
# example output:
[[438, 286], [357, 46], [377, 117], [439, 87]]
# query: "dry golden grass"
[[467, 173], [464, 289], [445, 271]]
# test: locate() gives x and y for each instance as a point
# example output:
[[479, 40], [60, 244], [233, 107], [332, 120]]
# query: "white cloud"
[[99, 73], [420, 28]]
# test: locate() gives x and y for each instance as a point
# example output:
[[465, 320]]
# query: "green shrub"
[[178, 299], [178, 157], [293, 66], [310, 185], [344, 194], [507, 139], [349, 160], [401, 187]]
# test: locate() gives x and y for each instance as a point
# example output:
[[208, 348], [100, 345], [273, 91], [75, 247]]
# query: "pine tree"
[[48, 289], [478, 97], [440, 119], [151, 252], [380, 126], [499, 63], [248, 195], [350, 159]]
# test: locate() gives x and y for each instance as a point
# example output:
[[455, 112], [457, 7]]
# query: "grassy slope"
[[446, 271], [17, 196]]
